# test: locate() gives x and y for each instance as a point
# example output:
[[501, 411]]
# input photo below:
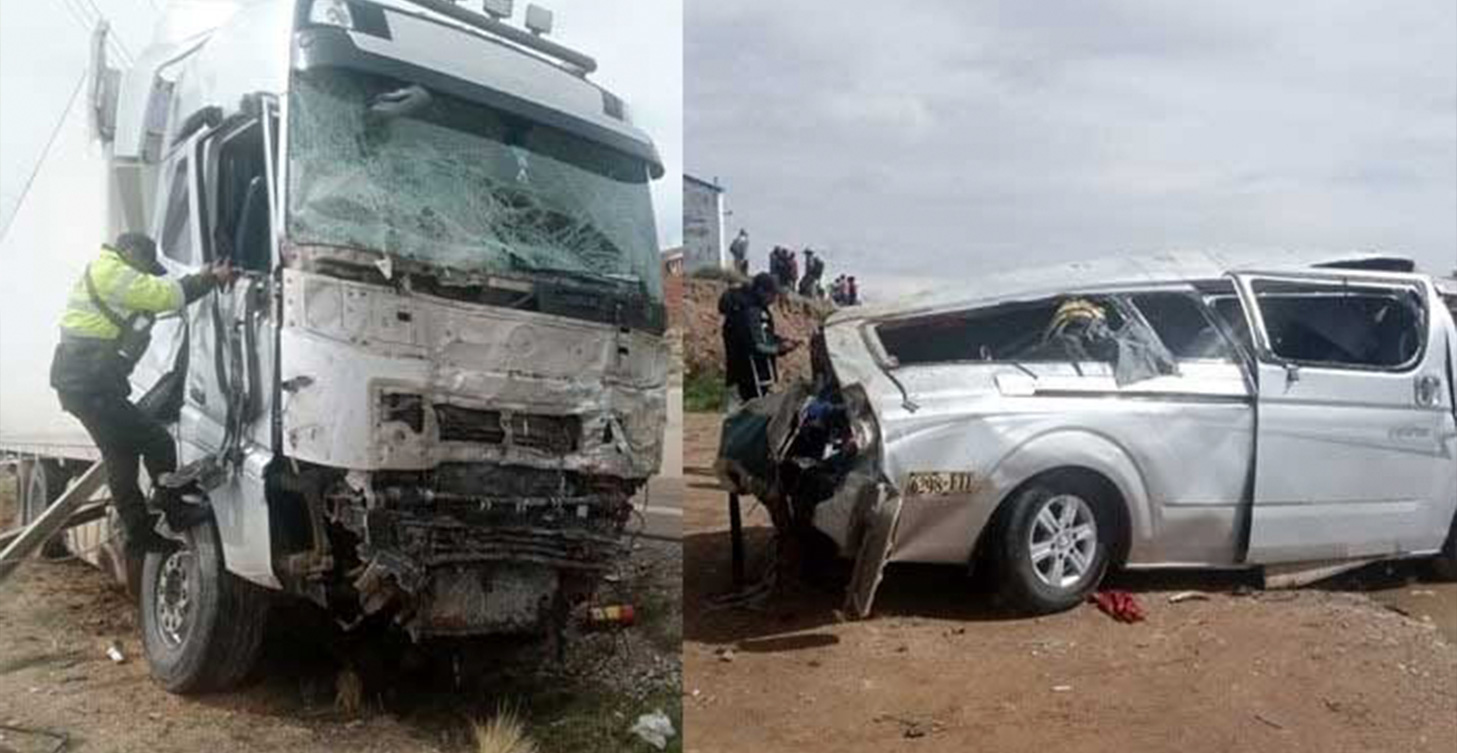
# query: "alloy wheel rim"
[[1063, 542], [174, 598]]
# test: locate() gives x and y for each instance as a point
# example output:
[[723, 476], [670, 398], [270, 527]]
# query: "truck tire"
[[1444, 565], [43, 483], [1053, 544], [202, 626]]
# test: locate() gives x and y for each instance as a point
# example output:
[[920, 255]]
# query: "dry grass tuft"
[[349, 692], [505, 733]]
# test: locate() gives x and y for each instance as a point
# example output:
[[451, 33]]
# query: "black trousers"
[[126, 437]]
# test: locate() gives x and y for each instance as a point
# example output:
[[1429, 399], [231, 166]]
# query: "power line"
[[79, 15], [25, 191], [102, 17], [88, 24]]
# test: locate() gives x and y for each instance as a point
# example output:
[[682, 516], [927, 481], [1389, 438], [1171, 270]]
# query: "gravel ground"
[[57, 619]]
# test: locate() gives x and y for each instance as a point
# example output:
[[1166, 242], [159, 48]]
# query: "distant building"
[[673, 286], [673, 262], [704, 243]]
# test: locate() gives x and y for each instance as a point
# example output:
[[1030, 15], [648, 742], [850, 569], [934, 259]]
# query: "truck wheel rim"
[[1063, 542], [174, 598]]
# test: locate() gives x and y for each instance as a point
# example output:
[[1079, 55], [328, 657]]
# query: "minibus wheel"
[[1054, 544], [1444, 565]]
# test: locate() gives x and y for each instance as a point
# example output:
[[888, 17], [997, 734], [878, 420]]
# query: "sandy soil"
[[941, 668], [56, 620]]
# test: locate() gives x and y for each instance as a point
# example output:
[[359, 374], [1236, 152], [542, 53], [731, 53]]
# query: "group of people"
[[844, 291], [784, 267]]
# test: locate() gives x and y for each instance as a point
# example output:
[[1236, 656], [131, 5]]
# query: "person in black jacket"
[[751, 347]]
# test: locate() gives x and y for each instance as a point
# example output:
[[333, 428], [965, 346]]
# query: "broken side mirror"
[[1292, 373]]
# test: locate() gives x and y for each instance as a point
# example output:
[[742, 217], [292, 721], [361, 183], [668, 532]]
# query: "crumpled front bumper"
[[461, 558], [848, 499]]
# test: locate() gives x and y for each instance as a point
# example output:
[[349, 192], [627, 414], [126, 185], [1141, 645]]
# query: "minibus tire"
[[210, 635], [1021, 586], [1444, 565]]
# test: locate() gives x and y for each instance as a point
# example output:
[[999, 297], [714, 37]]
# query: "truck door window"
[[1181, 323], [176, 240], [1356, 325], [241, 232]]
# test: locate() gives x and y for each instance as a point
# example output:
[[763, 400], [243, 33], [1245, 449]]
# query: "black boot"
[[140, 536], [182, 510]]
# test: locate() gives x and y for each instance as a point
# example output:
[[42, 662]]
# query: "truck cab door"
[[174, 227], [1354, 439], [204, 415], [231, 343]]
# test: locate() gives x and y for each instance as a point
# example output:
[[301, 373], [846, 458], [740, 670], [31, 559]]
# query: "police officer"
[[105, 329]]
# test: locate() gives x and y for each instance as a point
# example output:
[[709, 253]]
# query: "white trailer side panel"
[[56, 230]]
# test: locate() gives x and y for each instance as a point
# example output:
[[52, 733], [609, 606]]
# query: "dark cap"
[[140, 251], [765, 285]]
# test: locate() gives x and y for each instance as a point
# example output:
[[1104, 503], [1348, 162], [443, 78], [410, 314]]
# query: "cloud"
[[950, 138]]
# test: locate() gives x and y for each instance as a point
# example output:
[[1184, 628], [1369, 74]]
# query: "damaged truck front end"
[[441, 377], [473, 466], [471, 340]]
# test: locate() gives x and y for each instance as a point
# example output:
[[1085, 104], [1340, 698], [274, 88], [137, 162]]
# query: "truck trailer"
[[440, 376]]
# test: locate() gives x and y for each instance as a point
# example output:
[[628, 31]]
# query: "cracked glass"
[[383, 165]]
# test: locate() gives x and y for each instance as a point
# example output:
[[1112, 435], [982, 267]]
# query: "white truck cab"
[[441, 377]]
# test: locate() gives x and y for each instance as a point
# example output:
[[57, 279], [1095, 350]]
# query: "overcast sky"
[[919, 141], [43, 52]]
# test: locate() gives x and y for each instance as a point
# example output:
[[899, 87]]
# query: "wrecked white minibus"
[[1163, 412], [440, 378]]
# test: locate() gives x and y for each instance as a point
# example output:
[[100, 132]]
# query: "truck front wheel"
[[202, 626]]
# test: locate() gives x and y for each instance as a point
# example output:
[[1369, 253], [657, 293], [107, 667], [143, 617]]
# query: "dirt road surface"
[[941, 668], [57, 619]]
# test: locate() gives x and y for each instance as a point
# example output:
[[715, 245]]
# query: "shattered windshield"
[[386, 166], [1065, 329]]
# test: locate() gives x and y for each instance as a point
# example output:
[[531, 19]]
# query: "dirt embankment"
[[794, 317]]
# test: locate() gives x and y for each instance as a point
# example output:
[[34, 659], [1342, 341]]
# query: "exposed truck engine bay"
[[486, 484]]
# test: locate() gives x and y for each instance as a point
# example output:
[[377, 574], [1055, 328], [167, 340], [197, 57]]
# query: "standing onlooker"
[[739, 250], [814, 269], [751, 348]]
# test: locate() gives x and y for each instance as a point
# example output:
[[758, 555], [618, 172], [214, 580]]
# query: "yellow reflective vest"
[[123, 289]]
